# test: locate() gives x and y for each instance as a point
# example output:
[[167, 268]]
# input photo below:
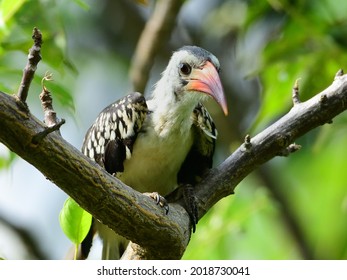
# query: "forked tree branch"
[[276, 140], [127, 211], [134, 215]]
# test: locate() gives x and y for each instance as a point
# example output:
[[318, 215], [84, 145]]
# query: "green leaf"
[[74, 221]]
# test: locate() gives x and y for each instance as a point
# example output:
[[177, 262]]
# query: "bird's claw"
[[160, 200], [191, 206]]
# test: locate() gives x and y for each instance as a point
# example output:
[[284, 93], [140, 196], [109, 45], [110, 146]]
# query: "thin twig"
[[38, 137], [34, 58], [247, 142], [292, 148], [339, 73], [47, 103], [51, 120], [295, 93]]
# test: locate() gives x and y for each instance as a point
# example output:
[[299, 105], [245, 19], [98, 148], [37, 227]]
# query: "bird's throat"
[[171, 118]]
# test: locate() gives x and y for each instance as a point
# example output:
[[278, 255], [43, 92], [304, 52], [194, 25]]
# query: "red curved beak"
[[206, 80]]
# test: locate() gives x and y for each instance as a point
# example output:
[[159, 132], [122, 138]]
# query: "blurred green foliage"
[[310, 46], [17, 20], [291, 208]]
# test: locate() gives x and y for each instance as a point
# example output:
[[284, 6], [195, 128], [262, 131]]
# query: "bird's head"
[[192, 74]]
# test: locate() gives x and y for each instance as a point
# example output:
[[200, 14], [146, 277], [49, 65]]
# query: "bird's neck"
[[170, 114]]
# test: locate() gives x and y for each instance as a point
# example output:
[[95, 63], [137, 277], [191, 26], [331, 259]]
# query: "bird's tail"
[[114, 244]]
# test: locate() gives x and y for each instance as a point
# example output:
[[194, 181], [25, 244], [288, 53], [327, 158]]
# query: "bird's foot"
[[191, 206], [160, 200]]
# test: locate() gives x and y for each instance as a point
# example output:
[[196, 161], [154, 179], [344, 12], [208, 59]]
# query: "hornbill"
[[160, 144]]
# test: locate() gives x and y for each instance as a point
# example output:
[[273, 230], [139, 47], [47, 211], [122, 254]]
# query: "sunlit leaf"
[[74, 221], [8, 8]]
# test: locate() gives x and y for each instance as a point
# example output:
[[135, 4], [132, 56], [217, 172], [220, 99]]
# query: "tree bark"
[[134, 215]]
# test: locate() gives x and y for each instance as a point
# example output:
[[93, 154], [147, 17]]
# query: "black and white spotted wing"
[[109, 141], [200, 156]]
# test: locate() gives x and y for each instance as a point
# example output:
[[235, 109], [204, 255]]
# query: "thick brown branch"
[[125, 210], [302, 118], [155, 33], [34, 58], [134, 215]]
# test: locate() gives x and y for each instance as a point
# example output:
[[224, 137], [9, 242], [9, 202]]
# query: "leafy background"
[[290, 208]]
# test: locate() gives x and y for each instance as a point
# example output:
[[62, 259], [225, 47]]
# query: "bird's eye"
[[185, 68]]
